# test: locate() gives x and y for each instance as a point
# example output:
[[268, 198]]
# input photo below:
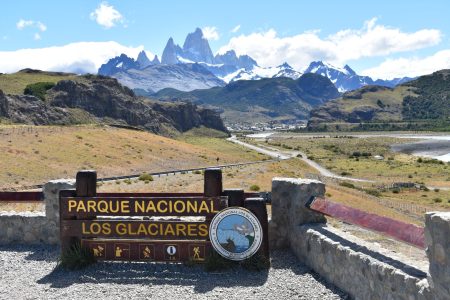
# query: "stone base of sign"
[[344, 261], [35, 228]]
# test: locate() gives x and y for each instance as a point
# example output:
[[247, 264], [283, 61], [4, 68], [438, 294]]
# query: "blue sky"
[[308, 29]]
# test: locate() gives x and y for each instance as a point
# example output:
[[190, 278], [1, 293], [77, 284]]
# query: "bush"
[[347, 184], [145, 177], [345, 173], [76, 258], [38, 89], [437, 200], [197, 172], [372, 192], [396, 191], [127, 181], [254, 188], [436, 190], [419, 160]]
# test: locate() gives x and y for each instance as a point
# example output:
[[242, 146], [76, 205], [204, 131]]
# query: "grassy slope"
[[15, 83], [333, 153], [33, 155]]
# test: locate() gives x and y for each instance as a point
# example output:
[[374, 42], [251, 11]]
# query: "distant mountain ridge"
[[346, 79], [266, 99], [225, 67]]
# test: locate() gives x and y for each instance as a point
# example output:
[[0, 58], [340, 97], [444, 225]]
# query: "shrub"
[[437, 200], [76, 258], [145, 177], [254, 187], [396, 191], [38, 89], [345, 173], [197, 172], [419, 160], [347, 184], [436, 190], [373, 192], [127, 181], [328, 194]]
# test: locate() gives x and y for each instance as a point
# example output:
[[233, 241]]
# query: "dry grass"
[[33, 155], [236, 177]]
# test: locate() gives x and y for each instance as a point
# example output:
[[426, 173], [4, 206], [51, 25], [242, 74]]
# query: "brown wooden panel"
[[149, 194], [21, 196], [86, 207], [148, 250], [136, 229]]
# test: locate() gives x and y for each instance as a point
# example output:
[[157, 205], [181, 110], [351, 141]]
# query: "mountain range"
[[249, 101], [194, 66]]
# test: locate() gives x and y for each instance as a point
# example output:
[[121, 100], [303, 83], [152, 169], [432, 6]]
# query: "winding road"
[[282, 155]]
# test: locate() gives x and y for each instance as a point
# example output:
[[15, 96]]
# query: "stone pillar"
[[51, 198], [437, 235], [289, 196]]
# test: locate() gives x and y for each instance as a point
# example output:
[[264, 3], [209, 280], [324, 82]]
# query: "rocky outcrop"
[[185, 115], [103, 99], [26, 109]]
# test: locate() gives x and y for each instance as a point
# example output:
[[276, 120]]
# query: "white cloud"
[[371, 40], [106, 15], [236, 28], [21, 24], [37, 36], [41, 26], [210, 33], [82, 57], [401, 67]]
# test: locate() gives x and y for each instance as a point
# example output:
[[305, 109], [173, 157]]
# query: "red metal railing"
[[402, 231]]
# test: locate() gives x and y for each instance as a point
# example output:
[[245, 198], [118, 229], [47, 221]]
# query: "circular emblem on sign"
[[171, 250], [235, 233]]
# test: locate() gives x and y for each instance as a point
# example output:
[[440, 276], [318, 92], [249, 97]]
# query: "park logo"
[[235, 233]]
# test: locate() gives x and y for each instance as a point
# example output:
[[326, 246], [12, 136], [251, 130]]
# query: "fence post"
[[85, 186], [213, 182], [437, 235], [258, 207], [236, 197], [86, 183]]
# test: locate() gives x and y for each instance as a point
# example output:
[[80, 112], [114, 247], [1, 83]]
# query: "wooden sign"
[[127, 226], [136, 229]]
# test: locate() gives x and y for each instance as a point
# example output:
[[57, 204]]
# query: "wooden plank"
[[139, 195], [86, 183], [258, 207], [213, 182], [85, 207], [405, 232], [148, 250], [21, 197], [182, 230]]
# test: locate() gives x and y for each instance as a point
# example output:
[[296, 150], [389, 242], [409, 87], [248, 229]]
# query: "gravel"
[[28, 272]]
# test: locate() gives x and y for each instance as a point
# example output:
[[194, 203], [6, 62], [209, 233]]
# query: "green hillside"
[[269, 97], [15, 83], [421, 103]]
